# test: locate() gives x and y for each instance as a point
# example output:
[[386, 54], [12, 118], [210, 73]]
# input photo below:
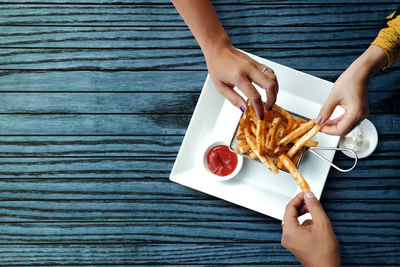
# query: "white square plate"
[[254, 187]]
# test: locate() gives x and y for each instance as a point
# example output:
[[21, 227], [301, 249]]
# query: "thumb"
[[314, 207], [326, 110]]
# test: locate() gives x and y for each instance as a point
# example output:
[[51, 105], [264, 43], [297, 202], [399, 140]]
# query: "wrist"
[[325, 263], [369, 63], [215, 46]]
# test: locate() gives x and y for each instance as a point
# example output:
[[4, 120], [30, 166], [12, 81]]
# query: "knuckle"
[[270, 87], [235, 101], [255, 97], [240, 72], [238, 76]]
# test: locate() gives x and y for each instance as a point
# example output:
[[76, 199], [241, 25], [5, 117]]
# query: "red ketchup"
[[221, 161]]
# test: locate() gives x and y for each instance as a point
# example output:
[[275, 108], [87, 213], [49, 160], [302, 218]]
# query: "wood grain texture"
[[95, 98], [165, 14], [180, 232], [170, 210], [128, 146], [146, 81], [128, 124], [137, 103], [161, 59], [183, 253], [89, 146], [151, 187], [339, 37]]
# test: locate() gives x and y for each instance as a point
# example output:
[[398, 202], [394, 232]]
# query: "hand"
[[350, 91], [313, 242], [228, 67]]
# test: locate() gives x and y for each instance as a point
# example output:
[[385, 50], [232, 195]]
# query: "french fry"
[[276, 141], [308, 143], [283, 112], [311, 143], [253, 147], [300, 143], [296, 133], [294, 126], [270, 142], [252, 155], [260, 140], [294, 172], [296, 157], [271, 165], [243, 147], [281, 149], [241, 137], [289, 125], [280, 132], [253, 128]]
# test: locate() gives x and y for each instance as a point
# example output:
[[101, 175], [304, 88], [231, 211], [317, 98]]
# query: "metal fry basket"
[[234, 143]]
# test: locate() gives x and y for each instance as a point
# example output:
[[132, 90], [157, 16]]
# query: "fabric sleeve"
[[389, 38]]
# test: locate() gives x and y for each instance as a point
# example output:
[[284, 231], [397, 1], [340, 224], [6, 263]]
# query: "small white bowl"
[[217, 177], [370, 141]]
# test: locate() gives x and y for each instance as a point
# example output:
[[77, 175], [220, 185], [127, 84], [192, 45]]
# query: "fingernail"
[[262, 117], [318, 120], [242, 108], [309, 194]]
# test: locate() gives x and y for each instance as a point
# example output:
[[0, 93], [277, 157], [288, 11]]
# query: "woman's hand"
[[350, 91], [228, 67], [313, 242]]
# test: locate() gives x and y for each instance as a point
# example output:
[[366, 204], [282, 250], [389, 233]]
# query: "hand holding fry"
[[313, 242]]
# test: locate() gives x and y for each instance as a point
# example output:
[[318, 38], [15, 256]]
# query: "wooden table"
[[95, 100]]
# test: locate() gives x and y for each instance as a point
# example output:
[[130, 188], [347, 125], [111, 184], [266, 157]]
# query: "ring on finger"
[[265, 68]]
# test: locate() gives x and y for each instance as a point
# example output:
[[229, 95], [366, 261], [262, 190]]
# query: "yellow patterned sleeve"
[[389, 38]]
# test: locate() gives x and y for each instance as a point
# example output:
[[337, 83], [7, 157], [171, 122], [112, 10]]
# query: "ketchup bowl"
[[222, 163]]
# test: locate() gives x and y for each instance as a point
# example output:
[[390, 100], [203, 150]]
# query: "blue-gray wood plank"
[[94, 104]]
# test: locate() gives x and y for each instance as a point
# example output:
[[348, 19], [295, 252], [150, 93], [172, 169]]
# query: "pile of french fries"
[[277, 141]]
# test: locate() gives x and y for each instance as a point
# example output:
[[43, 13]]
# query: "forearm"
[[369, 63], [203, 22]]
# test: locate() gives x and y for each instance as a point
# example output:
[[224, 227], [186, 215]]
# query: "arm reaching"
[[350, 90], [228, 67]]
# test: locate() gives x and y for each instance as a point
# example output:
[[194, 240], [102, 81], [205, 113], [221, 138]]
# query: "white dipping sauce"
[[356, 141]]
